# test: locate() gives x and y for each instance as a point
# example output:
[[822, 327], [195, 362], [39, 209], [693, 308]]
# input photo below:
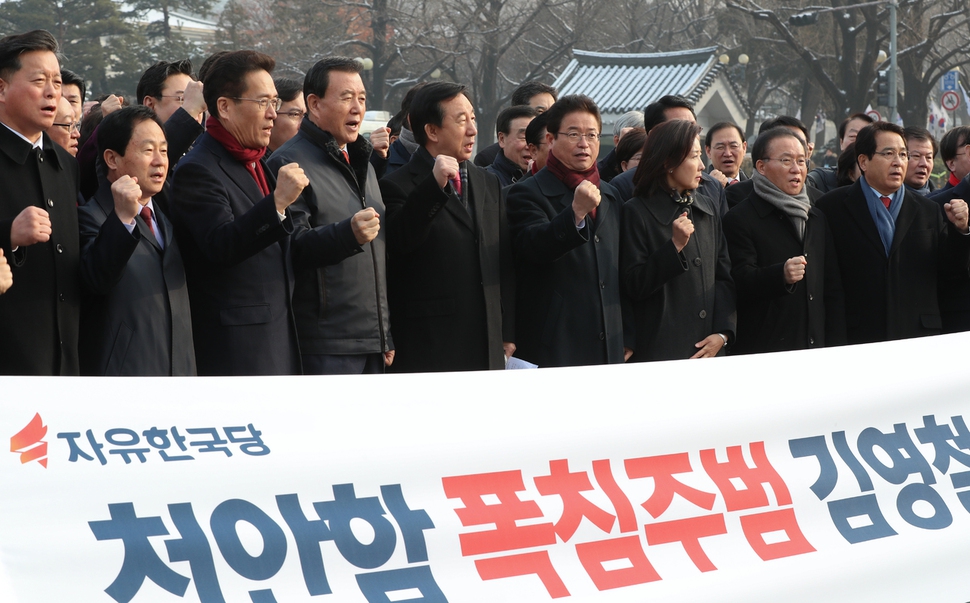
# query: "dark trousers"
[[349, 364]]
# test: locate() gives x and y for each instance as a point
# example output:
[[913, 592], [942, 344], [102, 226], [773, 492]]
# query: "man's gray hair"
[[630, 119]]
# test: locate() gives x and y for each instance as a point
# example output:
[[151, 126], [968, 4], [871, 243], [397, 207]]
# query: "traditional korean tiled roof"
[[621, 82]]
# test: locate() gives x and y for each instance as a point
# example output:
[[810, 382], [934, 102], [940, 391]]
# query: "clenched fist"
[[380, 139], [290, 182], [365, 224], [682, 228], [194, 102], [957, 214], [795, 269], [6, 275], [586, 198], [127, 197], [111, 104], [445, 169], [32, 225]]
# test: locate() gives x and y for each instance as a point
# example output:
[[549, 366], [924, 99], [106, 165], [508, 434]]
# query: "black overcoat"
[[236, 252], [450, 283], [570, 311], [679, 297], [39, 314], [772, 315], [892, 297]]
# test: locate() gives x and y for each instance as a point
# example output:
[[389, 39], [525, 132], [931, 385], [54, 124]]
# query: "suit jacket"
[[679, 297], [772, 315], [450, 281], [136, 315], [570, 311], [39, 314], [892, 297], [236, 252]]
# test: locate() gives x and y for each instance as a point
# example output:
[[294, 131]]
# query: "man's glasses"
[[276, 103], [70, 127], [574, 137]]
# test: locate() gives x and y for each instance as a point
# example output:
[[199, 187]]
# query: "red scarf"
[[569, 177], [953, 179], [248, 157], [572, 178]]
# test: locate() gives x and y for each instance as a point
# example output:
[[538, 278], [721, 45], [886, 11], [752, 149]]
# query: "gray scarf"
[[407, 139], [795, 207]]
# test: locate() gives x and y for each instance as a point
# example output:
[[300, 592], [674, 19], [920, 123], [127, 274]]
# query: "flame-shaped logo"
[[29, 442]]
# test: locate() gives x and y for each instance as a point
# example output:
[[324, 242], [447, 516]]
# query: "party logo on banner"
[[29, 442]]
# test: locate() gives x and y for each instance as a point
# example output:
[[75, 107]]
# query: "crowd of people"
[[230, 223]]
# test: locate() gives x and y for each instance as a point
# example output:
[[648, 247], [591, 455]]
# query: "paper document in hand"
[[518, 363]]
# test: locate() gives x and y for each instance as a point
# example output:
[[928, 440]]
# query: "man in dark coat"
[[450, 279], [954, 287], [136, 315], [38, 215], [565, 225], [783, 260], [893, 245], [340, 301], [738, 192], [233, 222]]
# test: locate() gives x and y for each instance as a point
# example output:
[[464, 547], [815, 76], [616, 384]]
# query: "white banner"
[[831, 475]]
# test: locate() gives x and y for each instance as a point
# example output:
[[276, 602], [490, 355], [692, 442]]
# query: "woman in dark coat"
[[673, 257], [783, 256]]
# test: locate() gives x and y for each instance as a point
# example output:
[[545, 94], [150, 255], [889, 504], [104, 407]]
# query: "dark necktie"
[[146, 215]]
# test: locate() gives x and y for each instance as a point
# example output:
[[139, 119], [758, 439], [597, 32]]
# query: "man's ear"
[[111, 159], [149, 101], [501, 140], [431, 131]]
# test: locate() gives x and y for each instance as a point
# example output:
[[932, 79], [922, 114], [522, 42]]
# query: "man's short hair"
[[426, 107], [654, 113], [571, 103], [918, 133], [69, 78], [845, 122], [723, 125], [209, 62], [759, 151], [227, 76], [116, 129], [533, 132], [394, 124], [952, 141], [526, 90], [152, 82], [503, 123], [11, 47], [630, 119], [786, 121], [318, 77], [865, 140], [287, 88]]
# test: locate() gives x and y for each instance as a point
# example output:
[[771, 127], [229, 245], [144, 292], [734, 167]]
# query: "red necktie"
[[346, 155], [146, 215], [886, 201], [457, 184]]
